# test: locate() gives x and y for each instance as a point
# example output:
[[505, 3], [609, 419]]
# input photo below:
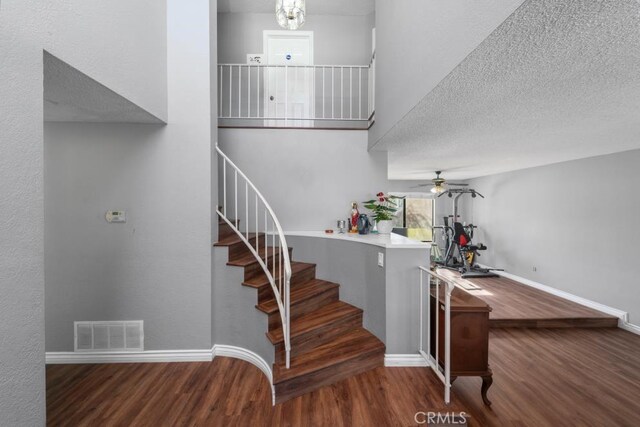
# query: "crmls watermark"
[[437, 418]]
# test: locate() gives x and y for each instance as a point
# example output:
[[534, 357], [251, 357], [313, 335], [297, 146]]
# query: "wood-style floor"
[[542, 377], [519, 306]]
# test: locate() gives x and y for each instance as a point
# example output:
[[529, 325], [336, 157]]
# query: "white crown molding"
[[404, 360]]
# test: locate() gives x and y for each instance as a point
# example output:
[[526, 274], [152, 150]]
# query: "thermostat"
[[116, 216]]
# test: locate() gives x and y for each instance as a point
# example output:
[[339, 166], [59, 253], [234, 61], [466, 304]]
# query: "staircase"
[[328, 341]]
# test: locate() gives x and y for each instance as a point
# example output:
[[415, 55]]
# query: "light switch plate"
[[380, 259], [116, 217]]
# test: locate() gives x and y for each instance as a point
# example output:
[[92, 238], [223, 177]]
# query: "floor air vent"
[[109, 336]]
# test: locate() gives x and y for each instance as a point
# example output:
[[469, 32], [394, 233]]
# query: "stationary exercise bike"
[[461, 253]]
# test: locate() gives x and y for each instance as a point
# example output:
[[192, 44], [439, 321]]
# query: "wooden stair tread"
[[298, 294], [249, 259], [261, 280], [316, 319], [348, 346], [235, 239]]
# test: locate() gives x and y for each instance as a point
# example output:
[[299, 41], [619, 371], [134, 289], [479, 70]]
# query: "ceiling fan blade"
[[458, 184], [422, 185]]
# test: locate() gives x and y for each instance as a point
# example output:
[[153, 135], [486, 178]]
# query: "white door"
[[289, 86]]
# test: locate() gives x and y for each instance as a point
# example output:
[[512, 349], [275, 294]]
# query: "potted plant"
[[384, 209]]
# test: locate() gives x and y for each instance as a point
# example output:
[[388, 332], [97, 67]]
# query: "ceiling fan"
[[438, 184]]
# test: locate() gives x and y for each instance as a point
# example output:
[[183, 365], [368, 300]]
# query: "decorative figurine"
[[354, 218]]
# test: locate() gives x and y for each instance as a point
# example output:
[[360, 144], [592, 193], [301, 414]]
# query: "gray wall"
[[338, 40], [419, 42], [576, 222], [310, 177], [157, 266], [235, 319], [22, 376], [120, 43], [388, 295]]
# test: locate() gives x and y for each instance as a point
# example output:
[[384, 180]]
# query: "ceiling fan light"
[[437, 189]]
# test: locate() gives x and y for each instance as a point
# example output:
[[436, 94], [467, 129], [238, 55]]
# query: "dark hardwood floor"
[[542, 377], [515, 305]]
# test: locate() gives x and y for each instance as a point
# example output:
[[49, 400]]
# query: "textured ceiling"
[[318, 7], [558, 80], [71, 96]]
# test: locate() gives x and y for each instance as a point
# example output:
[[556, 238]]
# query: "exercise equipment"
[[460, 251]]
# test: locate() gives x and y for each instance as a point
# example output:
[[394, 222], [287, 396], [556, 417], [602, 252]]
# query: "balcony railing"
[[319, 96]]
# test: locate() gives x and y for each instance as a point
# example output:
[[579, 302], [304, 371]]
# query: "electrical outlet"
[[380, 259]]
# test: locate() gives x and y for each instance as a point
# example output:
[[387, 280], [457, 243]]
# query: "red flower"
[[380, 194], [381, 199]]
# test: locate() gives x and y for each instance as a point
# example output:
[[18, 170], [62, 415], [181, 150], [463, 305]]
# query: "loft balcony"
[[296, 96]]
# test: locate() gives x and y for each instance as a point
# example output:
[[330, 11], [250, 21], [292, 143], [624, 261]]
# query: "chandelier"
[[290, 13]]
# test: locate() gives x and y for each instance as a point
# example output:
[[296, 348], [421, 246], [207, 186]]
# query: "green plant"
[[383, 207]]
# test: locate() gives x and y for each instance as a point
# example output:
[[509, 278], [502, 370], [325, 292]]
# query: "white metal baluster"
[[280, 267], [275, 69], [342, 92], [257, 227], [224, 185], [421, 301], [236, 199], [333, 92], [249, 91], [273, 250], [437, 316], [239, 91], [351, 92], [447, 344], [324, 94], [266, 235], [286, 94], [258, 91], [220, 92], [246, 207], [230, 89], [360, 93], [429, 317]]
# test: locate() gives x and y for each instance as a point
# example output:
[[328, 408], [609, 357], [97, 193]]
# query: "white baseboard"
[[404, 360], [629, 327], [623, 316], [163, 356], [159, 356], [247, 356]]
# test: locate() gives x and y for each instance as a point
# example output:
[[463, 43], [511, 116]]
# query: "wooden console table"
[[469, 336]]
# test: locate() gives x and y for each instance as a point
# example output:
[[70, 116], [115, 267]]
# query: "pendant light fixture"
[[290, 13]]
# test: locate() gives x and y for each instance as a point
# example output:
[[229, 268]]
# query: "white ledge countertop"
[[389, 241]]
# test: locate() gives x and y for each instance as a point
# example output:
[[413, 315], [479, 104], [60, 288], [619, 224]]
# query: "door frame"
[[274, 34]]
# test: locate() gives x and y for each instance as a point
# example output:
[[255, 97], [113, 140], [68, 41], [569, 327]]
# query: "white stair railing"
[[263, 235], [437, 282], [296, 95]]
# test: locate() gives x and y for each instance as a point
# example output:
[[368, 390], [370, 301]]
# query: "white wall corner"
[[404, 360]]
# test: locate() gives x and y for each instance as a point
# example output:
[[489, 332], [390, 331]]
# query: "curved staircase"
[[327, 340]]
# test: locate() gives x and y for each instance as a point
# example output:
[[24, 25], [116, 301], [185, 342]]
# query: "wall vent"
[[126, 335]]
